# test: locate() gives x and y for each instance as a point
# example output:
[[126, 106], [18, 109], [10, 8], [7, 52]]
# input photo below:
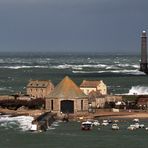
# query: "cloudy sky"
[[72, 25]]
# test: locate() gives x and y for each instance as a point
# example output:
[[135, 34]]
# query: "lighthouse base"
[[144, 67]]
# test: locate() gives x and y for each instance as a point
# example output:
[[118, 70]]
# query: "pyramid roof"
[[67, 89]]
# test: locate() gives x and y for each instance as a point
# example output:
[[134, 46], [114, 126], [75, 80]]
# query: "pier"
[[44, 121]]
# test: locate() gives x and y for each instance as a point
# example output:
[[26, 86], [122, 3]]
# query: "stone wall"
[[6, 97]]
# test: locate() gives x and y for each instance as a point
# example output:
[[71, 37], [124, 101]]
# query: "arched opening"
[[67, 106]]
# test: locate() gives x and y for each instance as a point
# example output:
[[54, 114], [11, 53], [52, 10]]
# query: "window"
[[51, 104], [81, 104]]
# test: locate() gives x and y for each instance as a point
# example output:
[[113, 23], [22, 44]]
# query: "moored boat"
[[87, 125], [131, 127], [136, 120], [96, 123], [115, 127], [105, 123]]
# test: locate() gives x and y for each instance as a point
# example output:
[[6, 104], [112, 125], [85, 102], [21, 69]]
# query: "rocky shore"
[[101, 114]]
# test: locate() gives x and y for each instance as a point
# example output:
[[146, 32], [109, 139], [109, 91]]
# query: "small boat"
[[141, 125], [146, 128], [109, 121], [116, 121], [137, 125], [105, 123], [136, 120], [86, 125], [96, 123], [131, 127], [115, 127]]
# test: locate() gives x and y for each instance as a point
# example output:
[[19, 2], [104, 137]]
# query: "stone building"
[[39, 88], [142, 102], [67, 97], [98, 101], [88, 86]]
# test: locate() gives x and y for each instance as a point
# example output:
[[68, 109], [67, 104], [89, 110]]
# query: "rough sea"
[[119, 72]]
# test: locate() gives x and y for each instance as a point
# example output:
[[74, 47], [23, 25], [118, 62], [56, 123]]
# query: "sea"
[[120, 72]]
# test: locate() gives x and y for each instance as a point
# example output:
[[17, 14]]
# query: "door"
[[67, 106]]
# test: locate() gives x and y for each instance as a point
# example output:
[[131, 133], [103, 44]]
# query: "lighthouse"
[[143, 63]]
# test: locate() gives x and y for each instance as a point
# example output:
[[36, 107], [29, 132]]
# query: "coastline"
[[22, 112], [100, 115]]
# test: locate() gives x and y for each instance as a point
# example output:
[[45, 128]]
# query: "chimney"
[[143, 63]]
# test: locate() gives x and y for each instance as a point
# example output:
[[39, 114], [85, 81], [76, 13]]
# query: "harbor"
[[70, 133]]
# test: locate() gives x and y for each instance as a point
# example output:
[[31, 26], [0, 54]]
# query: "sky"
[[72, 25]]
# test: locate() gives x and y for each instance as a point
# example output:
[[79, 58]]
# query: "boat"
[[136, 120], [87, 125], [141, 125], [137, 125], [115, 127], [131, 127], [105, 123], [96, 123], [109, 121]]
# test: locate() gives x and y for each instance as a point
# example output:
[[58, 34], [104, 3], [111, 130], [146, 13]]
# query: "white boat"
[[115, 127], [137, 125], [86, 125], [141, 125], [116, 121], [136, 120], [105, 123], [131, 127], [146, 128], [96, 123]]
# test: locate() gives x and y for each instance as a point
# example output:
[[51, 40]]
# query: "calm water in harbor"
[[119, 72], [69, 135]]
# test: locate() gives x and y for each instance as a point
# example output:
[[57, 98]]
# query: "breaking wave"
[[138, 90], [22, 123], [23, 66], [130, 72]]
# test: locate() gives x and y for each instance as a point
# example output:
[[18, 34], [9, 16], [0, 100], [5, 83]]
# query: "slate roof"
[[67, 89], [86, 83], [38, 83]]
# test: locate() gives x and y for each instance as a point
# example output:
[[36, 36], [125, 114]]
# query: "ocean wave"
[[138, 90], [20, 122], [129, 72], [22, 67], [66, 66], [3, 88]]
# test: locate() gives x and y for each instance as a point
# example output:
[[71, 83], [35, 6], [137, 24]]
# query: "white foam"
[[22, 122], [138, 90], [23, 66], [2, 88], [130, 72], [66, 66]]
